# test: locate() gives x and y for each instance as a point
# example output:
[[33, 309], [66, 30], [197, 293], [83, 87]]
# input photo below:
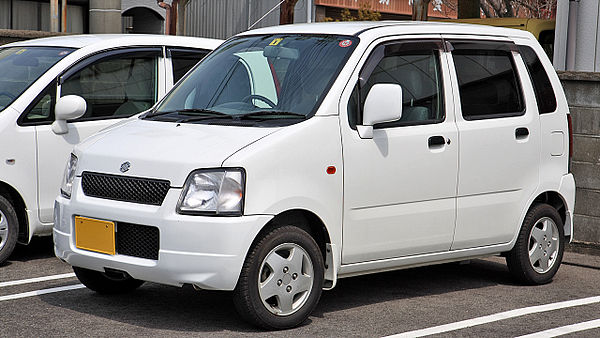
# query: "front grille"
[[124, 188], [137, 240]]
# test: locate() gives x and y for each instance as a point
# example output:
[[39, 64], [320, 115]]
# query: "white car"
[[117, 76], [290, 158]]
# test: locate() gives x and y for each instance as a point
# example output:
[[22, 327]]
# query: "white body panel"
[[392, 203], [39, 154]]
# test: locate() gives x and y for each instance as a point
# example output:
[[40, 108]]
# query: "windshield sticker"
[[20, 51], [276, 41], [345, 43], [64, 52]]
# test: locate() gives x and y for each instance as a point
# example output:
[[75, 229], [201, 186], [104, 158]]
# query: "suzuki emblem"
[[125, 166]]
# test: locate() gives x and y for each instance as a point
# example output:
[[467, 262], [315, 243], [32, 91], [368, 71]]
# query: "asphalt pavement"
[[39, 296]]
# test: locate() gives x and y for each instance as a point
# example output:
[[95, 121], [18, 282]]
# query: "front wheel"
[[281, 280], [106, 283], [9, 229], [538, 252]]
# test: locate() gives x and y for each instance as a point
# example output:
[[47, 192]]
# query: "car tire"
[[538, 252], [281, 280], [105, 283], [9, 229]]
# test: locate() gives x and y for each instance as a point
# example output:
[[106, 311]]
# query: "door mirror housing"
[[383, 104], [67, 107]]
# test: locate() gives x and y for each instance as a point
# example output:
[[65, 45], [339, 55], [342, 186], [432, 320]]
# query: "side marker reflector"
[[331, 170]]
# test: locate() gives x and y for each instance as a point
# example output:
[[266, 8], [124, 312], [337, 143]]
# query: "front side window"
[[117, 86], [22, 66], [258, 79], [487, 79], [415, 66]]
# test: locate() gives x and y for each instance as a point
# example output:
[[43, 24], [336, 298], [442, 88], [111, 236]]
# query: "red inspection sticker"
[[345, 43]]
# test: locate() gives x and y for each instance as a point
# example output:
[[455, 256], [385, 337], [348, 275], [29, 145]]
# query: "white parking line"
[[559, 331], [41, 292], [37, 279], [497, 317]]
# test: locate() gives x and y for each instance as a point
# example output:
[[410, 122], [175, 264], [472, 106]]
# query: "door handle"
[[437, 141], [521, 133]]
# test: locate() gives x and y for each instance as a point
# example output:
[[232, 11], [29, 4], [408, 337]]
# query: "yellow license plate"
[[95, 235]]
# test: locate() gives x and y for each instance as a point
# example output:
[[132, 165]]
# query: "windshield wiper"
[[260, 113], [188, 112]]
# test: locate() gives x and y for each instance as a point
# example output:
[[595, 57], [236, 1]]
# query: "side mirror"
[[383, 104], [67, 107]]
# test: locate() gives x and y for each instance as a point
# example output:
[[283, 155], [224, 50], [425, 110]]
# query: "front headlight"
[[213, 192], [66, 186]]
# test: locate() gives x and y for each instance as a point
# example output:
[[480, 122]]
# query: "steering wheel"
[[7, 94], [259, 97]]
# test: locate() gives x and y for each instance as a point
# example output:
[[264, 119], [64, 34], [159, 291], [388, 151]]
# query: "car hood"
[[163, 150]]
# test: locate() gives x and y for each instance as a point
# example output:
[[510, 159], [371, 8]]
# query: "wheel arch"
[[10, 193], [557, 201], [316, 228], [304, 219]]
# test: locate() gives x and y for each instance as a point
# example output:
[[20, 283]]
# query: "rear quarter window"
[[544, 93]]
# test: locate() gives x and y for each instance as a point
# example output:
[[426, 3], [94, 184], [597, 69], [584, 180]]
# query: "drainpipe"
[[572, 34], [170, 16], [167, 7], [308, 11]]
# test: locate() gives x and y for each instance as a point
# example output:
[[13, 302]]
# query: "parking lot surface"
[[40, 296]]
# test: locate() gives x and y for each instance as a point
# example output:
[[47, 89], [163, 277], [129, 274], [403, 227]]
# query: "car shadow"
[[187, 310], [38, 248]]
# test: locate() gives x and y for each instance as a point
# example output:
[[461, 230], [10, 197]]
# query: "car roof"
[[87, 40], [404, 27]]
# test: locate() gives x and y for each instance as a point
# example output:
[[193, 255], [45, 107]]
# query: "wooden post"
[[54, 26], [63, 16], [468, 9], [420, 9], [286, 12]]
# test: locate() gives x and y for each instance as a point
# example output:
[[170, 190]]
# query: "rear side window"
[[487, 77], [184, 60], [544, 93]]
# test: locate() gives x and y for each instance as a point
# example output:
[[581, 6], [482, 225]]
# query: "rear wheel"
[[106, 283], [538, 252], [281, 280], [9, 229]]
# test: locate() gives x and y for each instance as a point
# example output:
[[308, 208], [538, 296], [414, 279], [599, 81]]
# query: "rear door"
[[499, 141]]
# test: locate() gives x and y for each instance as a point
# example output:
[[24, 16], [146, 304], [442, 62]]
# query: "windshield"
[[21, 66], [264, 77]]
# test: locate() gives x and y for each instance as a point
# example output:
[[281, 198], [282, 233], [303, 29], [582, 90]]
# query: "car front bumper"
[[201, 250]]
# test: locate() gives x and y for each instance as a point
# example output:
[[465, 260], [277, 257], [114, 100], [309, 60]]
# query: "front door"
[[114, 87], [400, 186]]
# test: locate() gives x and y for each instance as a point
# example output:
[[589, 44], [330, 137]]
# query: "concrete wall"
[[12, 35], [583, 96]]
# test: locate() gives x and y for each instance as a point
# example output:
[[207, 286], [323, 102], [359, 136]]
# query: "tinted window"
[[184, 60], [415, 66], [21, 66], [488, 80], [118, 86], [544, 93]]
